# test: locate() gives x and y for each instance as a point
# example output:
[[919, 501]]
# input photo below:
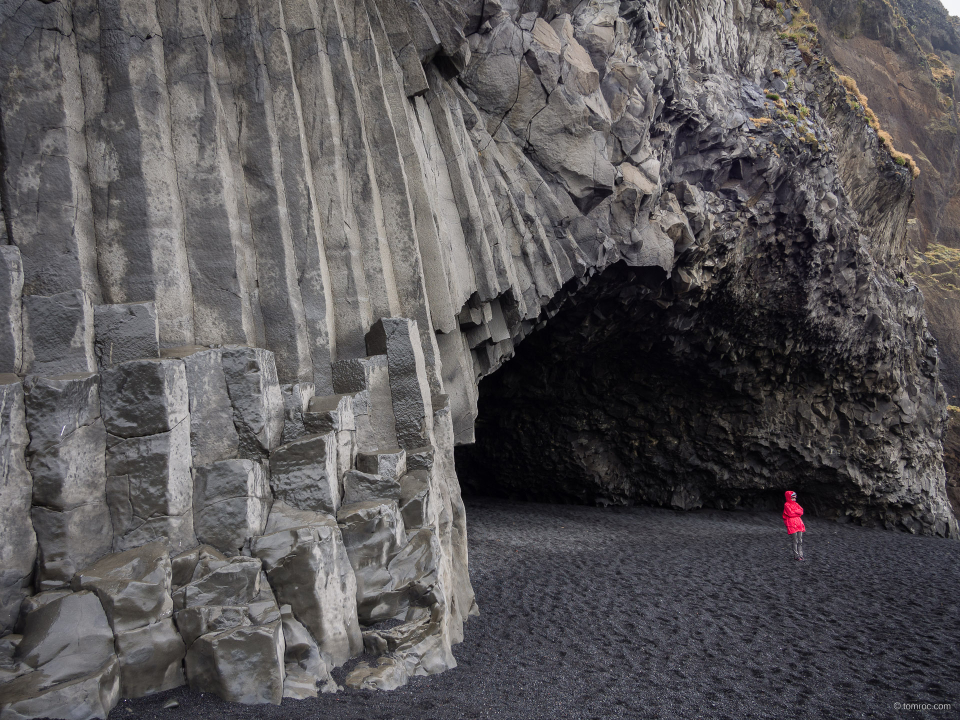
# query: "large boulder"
[[309, 570], [244, 664], [133, 586]]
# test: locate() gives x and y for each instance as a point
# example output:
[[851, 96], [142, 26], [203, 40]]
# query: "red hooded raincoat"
[[791, 514]]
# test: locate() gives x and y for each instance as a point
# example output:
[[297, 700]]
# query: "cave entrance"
[[636, 392]]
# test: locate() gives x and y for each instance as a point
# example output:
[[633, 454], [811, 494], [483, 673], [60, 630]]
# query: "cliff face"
[[904, 56], [332, 221]]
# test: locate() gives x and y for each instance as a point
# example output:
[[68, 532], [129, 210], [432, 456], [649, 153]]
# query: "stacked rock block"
[[206, 525]]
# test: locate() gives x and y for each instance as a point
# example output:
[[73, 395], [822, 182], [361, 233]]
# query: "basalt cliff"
[[257, 256]]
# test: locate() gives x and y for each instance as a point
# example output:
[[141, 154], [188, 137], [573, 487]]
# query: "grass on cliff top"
[[858, 101]]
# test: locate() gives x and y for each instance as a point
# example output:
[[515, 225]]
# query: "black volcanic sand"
[[648, 613]]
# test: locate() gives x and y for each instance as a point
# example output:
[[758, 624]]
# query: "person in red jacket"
[[791, 518]]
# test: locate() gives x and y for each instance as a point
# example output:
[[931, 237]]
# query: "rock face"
[[260, 255]]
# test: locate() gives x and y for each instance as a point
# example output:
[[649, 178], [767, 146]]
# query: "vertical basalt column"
[[342, 21], [46, 191], [326, 159], [297, 176], [216, 222], [284, 321], [136, 198]]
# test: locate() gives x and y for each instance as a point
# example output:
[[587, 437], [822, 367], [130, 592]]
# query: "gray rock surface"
[[18, 542], [150, 488], [58, 334], [231, 502], [213, 435], [151, 659], [388, 673], [234, 582], [296, 399], [303, 665], [11, 309], [701, 296], [309, 568], [398, 339], [251, 376], [243, 664], [133, 586], [63, 640], [126, 332], [144, 397], [303, 473]]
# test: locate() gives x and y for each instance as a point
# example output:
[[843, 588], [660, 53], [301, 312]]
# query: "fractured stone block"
[[309, 570], [231, 502], [133, 586], [369, 380], [359, 486], [251, 375], [296, 397], [58, 405], [126, 332], [151, 659], [213, 435], [235, 582], [58, 334], [150, 488], [243, 664], [69, 540], [304, 473], [389, 462], [144, 397]]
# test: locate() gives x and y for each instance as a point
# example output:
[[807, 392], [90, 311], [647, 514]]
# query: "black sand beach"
[[647, 613]]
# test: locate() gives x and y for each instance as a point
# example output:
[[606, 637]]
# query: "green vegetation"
[[858, 101]]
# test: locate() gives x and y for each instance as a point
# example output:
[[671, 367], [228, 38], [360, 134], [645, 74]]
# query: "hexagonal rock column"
[[124, 332], [303, 473], [18, 543], [149, 483], [335, 413], [368, 380], [66, 459], [58, 334], [258, 412], [399, 340], [213, 435]]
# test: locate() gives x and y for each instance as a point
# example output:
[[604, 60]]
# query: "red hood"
[[789, 495]]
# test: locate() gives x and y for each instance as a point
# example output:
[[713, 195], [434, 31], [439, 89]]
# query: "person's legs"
[[795, 537], [799, 537]]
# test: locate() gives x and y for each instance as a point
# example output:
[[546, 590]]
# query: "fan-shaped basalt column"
[[265, 250]]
